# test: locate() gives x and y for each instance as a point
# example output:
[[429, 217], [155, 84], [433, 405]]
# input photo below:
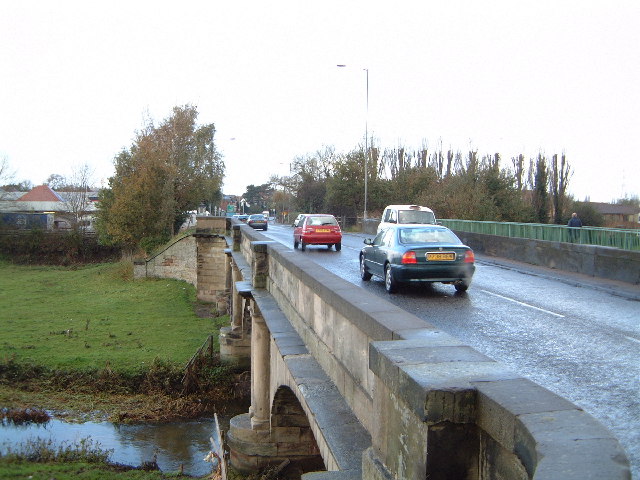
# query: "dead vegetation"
[[21, 416], [159, 394]]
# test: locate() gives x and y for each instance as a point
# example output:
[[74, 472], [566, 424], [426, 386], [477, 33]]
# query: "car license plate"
[[446, 256], [322, 230]]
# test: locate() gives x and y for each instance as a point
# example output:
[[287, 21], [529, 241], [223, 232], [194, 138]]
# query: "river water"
[[185, 442]]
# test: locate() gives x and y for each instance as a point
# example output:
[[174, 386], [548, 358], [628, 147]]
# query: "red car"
[[317, 229]]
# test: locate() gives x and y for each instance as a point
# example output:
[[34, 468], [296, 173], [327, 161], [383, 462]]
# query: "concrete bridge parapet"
[[474, 418], [345, 378]]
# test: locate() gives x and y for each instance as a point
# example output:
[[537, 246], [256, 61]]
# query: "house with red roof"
[[44, 207], [41, 193]]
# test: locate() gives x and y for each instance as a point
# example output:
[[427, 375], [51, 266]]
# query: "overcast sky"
[[77, 79]]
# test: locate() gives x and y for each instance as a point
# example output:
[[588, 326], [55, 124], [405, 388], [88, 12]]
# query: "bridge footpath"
[[591, 260], [346, 382]]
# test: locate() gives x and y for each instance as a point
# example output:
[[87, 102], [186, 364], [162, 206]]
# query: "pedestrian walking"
[[574, 224]]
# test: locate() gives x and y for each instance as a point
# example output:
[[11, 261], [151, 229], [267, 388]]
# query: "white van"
[[394, 214]]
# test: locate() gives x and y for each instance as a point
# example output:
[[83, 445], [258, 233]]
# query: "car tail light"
[[469, 257], [409, 257]]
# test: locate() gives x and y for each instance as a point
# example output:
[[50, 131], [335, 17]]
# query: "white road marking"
[[524, 304], [632, 339]]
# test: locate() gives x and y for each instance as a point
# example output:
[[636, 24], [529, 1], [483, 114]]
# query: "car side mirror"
[[368, 241]]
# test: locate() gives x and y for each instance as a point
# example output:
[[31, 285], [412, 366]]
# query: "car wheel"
[[364, 273], [303, 246], [389, 282], [461, 286], [338, 247], [295, 244]]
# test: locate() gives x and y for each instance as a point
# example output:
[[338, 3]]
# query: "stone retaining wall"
[[179, 261], [199, 259]]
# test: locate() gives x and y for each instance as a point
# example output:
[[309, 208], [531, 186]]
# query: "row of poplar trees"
[[454, 184]]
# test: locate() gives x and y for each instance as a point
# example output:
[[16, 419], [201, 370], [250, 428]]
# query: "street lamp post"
[[366, 146]]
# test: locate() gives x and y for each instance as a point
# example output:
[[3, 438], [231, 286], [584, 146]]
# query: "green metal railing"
[[606, 237]]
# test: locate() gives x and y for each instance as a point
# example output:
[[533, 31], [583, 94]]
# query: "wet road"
[[574, 335]]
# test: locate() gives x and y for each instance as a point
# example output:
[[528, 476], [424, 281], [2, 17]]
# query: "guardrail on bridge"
[[624, 239]]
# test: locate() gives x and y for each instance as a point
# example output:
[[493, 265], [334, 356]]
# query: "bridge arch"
[[291, 431]]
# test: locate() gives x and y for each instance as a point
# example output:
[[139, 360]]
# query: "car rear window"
[[427, 235], [416, 216], [321, 221]]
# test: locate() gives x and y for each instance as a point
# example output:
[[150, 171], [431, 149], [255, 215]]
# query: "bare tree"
[[438, 162], [56, 181], [540, 183], [449, 163], [518, 167], [424, 154], [77, 198], [560, 175], [6, 175]]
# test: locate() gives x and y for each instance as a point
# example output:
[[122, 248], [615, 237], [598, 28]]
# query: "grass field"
[[93, 319], [96, 316]]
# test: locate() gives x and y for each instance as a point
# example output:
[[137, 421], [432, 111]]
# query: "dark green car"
[[417, 253]]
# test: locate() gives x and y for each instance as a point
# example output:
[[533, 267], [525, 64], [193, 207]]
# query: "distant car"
[[258, 221], [417, 253], [296, 222], [241, 217], [317, 229], [406, 214]]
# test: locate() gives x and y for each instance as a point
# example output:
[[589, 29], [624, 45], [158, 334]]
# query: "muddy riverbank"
[[165, 425], [157, 395]]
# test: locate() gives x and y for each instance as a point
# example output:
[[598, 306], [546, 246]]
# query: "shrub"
[[45, 451], [54, 248]]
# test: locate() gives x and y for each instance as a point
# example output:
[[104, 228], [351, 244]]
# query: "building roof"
[[41, 193], [614, 209], [44, 199], [10, 195]]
